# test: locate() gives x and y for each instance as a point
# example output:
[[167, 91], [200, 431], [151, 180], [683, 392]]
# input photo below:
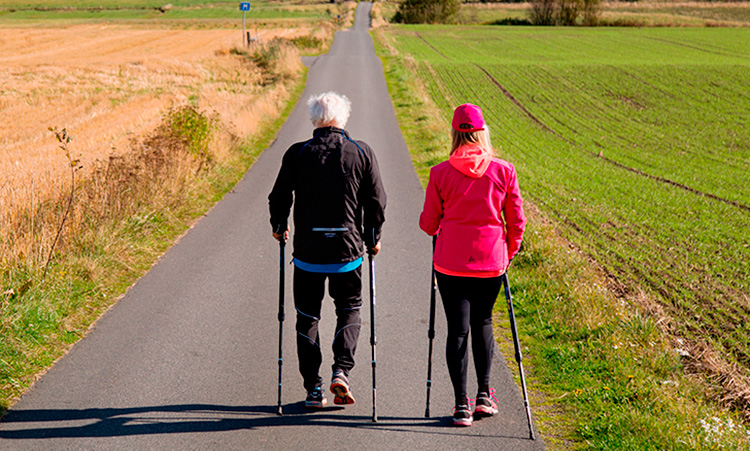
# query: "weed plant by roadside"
[[64, 139]]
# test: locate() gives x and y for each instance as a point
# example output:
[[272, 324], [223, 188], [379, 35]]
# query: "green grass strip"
[[62, 10]]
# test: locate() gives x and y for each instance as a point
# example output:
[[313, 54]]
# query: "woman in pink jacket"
[[474, 203]]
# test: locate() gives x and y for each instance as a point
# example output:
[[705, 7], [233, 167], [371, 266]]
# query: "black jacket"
[[339, 200]]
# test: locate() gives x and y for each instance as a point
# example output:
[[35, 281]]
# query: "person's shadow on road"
[[191, 418]]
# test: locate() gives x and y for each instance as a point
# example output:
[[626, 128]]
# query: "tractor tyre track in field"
[[431, 46], [441, 86], [657, 178], [693, 47], [641, 80], [520, 105]]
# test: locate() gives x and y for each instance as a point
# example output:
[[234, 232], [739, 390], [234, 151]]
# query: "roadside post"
[[244, 7]]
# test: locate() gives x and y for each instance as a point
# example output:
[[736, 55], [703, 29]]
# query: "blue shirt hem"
[[328, 267]]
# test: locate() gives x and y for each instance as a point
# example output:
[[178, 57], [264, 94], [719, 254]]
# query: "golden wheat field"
[[109, 84]]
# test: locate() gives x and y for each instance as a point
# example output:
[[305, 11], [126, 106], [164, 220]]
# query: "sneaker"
[[462, 416], [486, 404], [340, 388], [316, 399]]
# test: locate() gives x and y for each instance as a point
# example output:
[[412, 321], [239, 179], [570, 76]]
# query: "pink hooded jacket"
[[467, 197]]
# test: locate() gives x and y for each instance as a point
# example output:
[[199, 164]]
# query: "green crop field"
[[636, 140], [20, 12]]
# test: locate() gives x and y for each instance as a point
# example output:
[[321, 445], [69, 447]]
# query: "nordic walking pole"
[[431, 330], [282, 245], [517, 345], [373, 337]]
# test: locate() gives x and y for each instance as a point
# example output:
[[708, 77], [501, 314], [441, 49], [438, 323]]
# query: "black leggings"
[[468, 303]]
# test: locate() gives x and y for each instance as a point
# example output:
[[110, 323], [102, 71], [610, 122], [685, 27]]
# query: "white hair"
[[329, 109]]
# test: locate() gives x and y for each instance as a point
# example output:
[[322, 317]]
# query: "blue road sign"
[[245, 6]]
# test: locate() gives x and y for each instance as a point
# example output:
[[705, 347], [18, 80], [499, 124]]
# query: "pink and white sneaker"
[[462, 416], [486, 404]]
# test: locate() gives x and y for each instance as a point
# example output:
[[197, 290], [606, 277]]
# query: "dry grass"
[[346, 10], [377, 17], [109, 85]]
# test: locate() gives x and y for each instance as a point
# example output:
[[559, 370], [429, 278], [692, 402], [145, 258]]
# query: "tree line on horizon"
[[542, 12]]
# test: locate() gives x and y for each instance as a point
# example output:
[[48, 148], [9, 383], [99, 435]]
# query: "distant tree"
[[564, 12], [568, 12], [542, 12], [427, 11], [590, 10]]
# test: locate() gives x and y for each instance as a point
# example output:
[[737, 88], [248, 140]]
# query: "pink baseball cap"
[[468, 118]]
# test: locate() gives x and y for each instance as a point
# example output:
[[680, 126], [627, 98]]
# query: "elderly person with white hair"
[[339, 209]]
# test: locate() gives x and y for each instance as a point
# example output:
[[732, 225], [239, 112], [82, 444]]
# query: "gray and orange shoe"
[[316, 399], [340, 388]]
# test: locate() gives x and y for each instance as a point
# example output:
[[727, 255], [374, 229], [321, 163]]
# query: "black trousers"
[[309, 290], [468, 303]]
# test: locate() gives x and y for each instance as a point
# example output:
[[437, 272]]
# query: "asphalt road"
[[188, 358]]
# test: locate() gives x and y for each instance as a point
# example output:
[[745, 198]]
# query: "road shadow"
[[191, 418]]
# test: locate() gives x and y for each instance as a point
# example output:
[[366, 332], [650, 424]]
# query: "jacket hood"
[[471, 160]]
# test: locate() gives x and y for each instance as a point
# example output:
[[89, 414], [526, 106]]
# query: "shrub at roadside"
[[427, 11], [191, 129]]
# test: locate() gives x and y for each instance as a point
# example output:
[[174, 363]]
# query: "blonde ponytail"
[[481, 137]]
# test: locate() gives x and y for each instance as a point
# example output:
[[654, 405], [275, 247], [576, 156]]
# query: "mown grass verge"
[[602, 372], [125, 215]]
